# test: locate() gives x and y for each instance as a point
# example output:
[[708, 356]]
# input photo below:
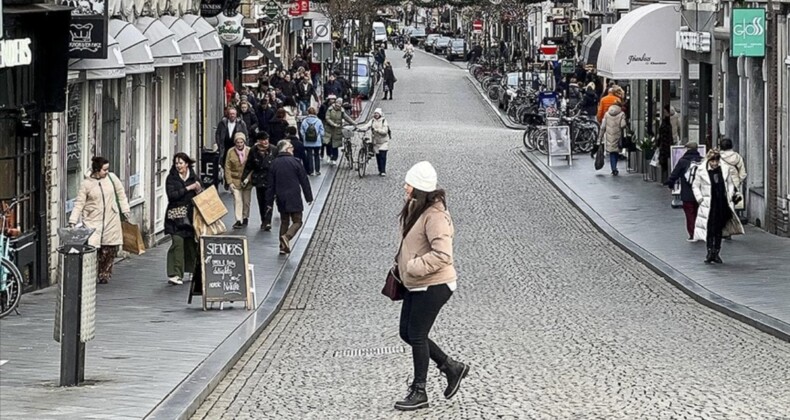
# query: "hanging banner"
[[747, 33], [88, 30]]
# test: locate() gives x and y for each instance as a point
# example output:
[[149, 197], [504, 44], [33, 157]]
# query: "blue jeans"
[[303, 105], [313, 160], [381, 161], [613, 156]]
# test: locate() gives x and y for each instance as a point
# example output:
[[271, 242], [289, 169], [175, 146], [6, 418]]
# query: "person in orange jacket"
[[615, 94]]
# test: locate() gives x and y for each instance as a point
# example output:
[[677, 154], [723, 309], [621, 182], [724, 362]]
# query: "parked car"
[[457, 49], [441, 45], [416, 34], [429, 40], [362, 81]]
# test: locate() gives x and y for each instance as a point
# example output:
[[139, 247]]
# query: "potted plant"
[[646, 146]]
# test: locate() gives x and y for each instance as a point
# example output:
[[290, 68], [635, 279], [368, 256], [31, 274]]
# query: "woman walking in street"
[[100, 203], [234, 168], [425, 262], [312, 131], [389, 79], [714, 189], [381, 130], [612, 130], [182, 186]]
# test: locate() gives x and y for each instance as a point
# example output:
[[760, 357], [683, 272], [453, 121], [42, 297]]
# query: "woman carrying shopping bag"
[[182, 186], [100, 203]]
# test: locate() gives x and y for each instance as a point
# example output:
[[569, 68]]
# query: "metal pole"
[[72, 350]]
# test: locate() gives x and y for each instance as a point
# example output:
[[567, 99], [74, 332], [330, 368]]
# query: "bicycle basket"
[[348, 132]]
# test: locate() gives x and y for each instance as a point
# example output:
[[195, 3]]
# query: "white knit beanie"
[[422, 176]]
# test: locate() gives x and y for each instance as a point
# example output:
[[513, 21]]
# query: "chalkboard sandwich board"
[[226, 277]]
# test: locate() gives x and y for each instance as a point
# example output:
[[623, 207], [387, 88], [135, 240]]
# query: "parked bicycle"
[[10, 277], [365, 154], [348, 145]]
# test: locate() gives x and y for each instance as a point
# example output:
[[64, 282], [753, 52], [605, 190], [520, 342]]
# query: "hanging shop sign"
[[230, 29], [272, 9], [747, 33], [88, 28], [693, 41], [549, 52], [568, 66], [211, 8], [299, 7], [15, 52]]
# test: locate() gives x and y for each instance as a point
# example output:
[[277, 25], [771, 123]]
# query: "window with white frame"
[[139, 129]]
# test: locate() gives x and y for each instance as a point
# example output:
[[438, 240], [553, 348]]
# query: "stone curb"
[[185, 399], [688, 286]]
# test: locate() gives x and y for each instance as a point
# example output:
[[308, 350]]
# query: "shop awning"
[[188, 43], [161, 40], [207, 35], [135, 50], [641, 45], [591, 46], [111, 67]]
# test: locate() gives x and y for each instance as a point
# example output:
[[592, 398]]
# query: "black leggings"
[[417, 316]]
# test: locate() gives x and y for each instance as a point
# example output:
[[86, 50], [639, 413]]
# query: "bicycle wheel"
[[362, 161], [348, 154], [527, 139], [585, 140], [10, 297], [541, 139]]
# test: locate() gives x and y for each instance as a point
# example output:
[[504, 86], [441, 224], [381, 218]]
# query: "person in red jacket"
[[230, 91]]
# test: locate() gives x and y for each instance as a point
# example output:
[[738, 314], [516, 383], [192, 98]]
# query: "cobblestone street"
[[556, 321]]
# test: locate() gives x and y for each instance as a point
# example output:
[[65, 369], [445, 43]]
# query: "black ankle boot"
[[415, 400], [716, 257], [709, 257], [455, 371]]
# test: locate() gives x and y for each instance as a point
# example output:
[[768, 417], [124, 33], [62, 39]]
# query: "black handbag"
[[599, 157]]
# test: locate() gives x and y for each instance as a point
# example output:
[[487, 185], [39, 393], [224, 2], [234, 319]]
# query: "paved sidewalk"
[[753, 284], [154, 355]]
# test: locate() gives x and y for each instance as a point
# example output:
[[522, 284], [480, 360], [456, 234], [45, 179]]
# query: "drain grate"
[[369, 352], [417, 103]]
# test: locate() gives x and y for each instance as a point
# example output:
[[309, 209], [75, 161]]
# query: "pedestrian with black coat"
[[389, 79], [299, 150], [265, 112], [227, 129], [333, 87], [690, 205], [256, 172], [287, 182], [277, 126], [249, 117], [181, 186], [589, 104]]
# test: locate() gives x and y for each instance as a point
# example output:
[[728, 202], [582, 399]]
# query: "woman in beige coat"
[[100, 203], [425, 263], [234, 168], [612, 127]]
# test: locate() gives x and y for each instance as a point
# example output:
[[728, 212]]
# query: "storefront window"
[[74, 132]]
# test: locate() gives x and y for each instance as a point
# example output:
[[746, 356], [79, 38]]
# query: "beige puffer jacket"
[[612, 128], [426, 255]]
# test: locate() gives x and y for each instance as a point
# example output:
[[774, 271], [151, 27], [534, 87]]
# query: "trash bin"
[[75, 305]]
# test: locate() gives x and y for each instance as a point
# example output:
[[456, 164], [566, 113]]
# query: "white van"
[[379, 32]]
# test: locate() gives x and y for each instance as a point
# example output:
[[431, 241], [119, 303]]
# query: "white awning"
[[188, 43], [135, 50], [641, 45], [162, 41], [207, 35], [111, 67]]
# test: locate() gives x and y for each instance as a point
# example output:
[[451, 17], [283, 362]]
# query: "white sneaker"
[[175, 280]]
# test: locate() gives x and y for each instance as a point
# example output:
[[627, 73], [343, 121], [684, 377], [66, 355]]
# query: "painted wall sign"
[[230, 29], [88, 30], [747, 33], [15, 52]]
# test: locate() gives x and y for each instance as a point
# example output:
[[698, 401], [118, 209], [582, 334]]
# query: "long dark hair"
[[414, 208], [97, 163], [184, 157]]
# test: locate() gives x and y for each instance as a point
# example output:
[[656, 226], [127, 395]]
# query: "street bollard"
[[76, 303]]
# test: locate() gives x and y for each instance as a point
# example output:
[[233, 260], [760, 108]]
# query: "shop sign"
[[272, 9], [568, 66], [88, 28], [693, 41], [15, 52], [299, 7], [747, 33], [230, 29], [211, 8]]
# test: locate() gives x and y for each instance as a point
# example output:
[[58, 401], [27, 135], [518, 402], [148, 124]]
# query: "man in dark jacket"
[[287, 179], [690, 204], [299, 150], [265, 113], [305, 92], [227, 129], [256, 171], [333, 87]]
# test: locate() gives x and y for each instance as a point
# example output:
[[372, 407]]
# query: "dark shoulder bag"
[[393, 286]]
